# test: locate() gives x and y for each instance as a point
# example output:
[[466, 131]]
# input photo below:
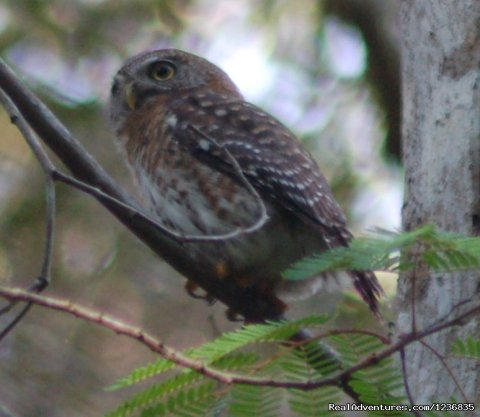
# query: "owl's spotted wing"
[[270, 157], [273, 161]]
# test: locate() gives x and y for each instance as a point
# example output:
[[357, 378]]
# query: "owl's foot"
[[271, 307], [233, 315], [192, 289]]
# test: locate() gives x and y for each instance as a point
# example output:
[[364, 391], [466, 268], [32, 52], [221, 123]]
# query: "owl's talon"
[[191, 289], [233, 315], [210, 299]]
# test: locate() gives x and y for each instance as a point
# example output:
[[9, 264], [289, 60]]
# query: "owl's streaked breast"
[[181, 192]]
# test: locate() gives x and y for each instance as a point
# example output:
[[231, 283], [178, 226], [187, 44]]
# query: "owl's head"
[[164, 72]]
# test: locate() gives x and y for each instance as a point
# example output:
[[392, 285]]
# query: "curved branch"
[[145, 338]]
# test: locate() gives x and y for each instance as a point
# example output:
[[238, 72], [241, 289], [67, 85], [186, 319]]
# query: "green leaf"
[[467, 348], [442, 252], [192, 402], [254, 401], [139, 374], [377, 384], [300, 365], [225, 344], [155, 392], [252, 334]]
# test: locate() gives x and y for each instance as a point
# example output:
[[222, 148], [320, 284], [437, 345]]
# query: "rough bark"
[[441, 137]]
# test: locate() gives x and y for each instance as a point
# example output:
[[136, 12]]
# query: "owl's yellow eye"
[[162, 70]]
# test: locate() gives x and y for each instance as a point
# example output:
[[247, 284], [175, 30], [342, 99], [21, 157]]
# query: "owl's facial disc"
[[134, 85], [123, 94]]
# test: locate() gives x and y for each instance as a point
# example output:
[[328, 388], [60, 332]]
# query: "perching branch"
[[155, 345], [251, 303]]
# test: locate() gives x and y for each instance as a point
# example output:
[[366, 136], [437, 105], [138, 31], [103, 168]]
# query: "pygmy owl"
[[207, 163]]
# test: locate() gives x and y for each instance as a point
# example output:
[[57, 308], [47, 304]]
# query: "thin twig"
[[17, 319], [18, 120], [445, 365], [405, 382], [333, 332], [48, 168], [44, 278], [46, 270], [119, 327], [454, 308], [4, 412]]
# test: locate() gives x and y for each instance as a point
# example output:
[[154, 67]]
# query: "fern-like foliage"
[[467, 348], [159, 395], [222, 353], [187, 393], [155, 392], [224, 345], [252, 334], [139, 374], [248, 401], [439, 251], [190, 402], [375, 385], [304, 365]]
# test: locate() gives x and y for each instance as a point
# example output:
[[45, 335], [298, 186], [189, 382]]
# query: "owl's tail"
[[331, 283], [367, 285]]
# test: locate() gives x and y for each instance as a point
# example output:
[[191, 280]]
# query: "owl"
[[211, 166]]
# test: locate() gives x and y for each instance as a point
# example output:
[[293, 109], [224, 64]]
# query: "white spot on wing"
[[260, 129], [171, 120], [204, 144]]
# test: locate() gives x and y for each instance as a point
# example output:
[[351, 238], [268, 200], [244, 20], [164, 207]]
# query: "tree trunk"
[[441, 146]]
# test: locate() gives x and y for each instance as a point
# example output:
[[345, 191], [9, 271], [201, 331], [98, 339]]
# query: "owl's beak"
[[130, 96]]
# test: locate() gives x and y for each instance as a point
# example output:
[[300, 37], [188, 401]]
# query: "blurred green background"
[[328, 69]]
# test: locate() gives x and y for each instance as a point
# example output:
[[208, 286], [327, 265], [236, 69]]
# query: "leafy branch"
[[274, 331], [392, 252]]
